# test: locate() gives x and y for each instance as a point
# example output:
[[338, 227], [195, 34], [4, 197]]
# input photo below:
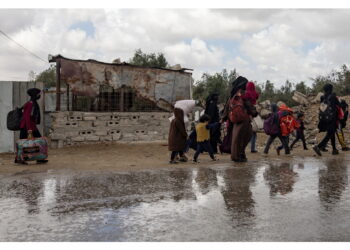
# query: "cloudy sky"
[[261, 44]]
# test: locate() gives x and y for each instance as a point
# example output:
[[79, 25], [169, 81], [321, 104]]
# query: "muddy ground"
[[132, 157]]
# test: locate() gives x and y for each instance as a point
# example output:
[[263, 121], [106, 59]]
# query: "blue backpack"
[[271, 127]]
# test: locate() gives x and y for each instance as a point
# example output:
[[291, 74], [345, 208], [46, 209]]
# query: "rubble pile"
[[309, 105]]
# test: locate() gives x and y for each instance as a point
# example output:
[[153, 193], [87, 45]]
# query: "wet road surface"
[[304, 199]]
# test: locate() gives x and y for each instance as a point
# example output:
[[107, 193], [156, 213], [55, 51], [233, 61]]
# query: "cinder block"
[[106, 138], [78, 139], [57, 136], [99, 123], [105, 117], [75, 117], [87, 132], [116, 136], [101, 132], [85, 124], [113, 131], [92, 138], [113, 123], [67, 124], [89, 118]]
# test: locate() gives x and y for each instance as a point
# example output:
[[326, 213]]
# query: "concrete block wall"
[[72, 128]]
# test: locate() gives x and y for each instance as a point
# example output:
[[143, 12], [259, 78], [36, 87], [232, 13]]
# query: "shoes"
[[278, 151], [215, 159], [254, 151], [345, 149], [173, 162], [323, 149], [317, 150], [21, 162], [335, 152], [41, 161], [183, 159], [195, 161], [306, 149], [240, 160]]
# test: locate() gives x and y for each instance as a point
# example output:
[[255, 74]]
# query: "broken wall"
[[72, 128], [161, 86]]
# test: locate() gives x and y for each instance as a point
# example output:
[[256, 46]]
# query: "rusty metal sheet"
[[163, 87]]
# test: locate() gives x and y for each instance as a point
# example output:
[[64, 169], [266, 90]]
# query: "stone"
[[317, 98], [300, 98]]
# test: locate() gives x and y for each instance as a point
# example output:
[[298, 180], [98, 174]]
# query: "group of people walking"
[[238, 116]]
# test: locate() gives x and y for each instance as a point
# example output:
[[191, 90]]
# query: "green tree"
[[217, 83], [302, 88], [149, 60], [48, 76]]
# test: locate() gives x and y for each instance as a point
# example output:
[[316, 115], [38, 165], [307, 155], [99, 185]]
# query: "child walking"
[[177, 137], [300, 132], [203, 137]]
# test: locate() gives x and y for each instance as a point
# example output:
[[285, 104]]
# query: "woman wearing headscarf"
[[31, 117], [177, 136], [328, 125], [251, 96], [212, 110], [242, 130]]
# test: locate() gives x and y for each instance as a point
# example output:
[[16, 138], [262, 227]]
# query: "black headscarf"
[[328, 89], [274, 109], [34, 94], [211, 107], [239, 83]]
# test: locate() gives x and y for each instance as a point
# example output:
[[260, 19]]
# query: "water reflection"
[[280, 178], [206, 180], [333, 181], [29, 190], [237, 194]]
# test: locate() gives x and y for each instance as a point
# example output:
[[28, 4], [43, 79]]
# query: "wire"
[[38, 57]]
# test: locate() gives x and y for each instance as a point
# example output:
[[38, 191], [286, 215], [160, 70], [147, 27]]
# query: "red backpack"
[[238, 112], [288, 124]]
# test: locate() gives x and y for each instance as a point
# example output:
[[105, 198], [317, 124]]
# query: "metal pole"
[[58, 85]]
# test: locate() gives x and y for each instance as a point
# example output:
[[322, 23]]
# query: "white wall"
[[6, 103]]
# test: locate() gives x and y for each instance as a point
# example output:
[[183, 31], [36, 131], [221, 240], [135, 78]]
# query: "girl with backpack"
[[287, 124], [272, 128]]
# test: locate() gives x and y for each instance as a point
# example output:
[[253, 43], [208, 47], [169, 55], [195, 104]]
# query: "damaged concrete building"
[[114, 101]]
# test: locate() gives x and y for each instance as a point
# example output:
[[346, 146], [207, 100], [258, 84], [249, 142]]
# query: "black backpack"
[[327, 112], [14, 119]]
